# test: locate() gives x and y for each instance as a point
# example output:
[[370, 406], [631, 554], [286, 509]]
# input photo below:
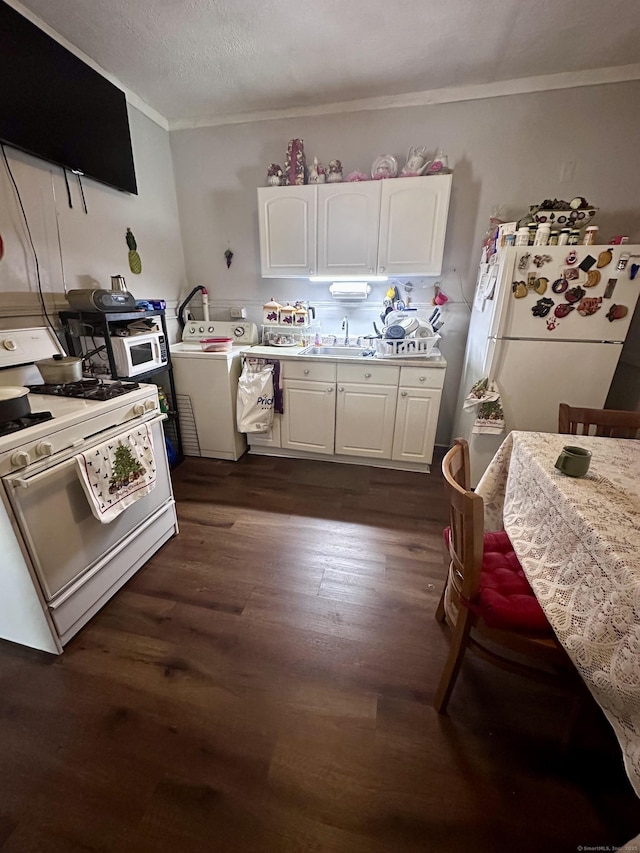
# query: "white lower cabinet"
[[376, 412], [416, 421]]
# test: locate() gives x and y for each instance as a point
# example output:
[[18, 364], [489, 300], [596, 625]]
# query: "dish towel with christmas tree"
[[118, 472], [490, 416]]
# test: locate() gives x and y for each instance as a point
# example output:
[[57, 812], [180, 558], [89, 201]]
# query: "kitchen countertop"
[[280, 353]]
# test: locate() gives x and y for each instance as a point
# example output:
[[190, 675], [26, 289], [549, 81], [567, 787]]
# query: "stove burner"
[[88, 389], [7, 427]]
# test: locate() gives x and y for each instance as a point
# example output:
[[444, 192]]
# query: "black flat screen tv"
[[56, 107]]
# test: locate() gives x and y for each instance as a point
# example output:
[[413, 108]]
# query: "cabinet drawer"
[[374, 374], [311, 370], [422, 377]]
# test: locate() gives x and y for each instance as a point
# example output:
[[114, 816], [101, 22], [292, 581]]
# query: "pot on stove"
[[14, 403], [60, 369]]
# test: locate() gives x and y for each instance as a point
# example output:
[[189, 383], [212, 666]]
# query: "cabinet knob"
[[367, 376], [340, 389], [381, 269], [403, 393], [422, 378], [371, 269], [306, 371], [311, 270]]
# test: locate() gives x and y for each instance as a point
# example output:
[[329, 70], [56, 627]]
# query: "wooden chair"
[[511, 640], [611, 423]]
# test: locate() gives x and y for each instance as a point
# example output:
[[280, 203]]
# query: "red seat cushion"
[[505, 599]]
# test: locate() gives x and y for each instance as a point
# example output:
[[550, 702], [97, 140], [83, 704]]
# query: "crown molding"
[[132, 99], [480, 91]]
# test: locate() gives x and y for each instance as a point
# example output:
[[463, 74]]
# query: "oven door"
[[61, 534]]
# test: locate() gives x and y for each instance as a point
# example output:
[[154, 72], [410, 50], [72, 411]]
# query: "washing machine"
[[206, 388]]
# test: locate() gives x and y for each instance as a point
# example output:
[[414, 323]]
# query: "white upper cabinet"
[[413, 224], [287, 223], [390, 227], [348, 225]]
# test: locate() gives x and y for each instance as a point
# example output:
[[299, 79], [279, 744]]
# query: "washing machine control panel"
[[244, 333]]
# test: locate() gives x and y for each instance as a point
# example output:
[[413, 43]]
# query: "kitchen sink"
[[336, 351]]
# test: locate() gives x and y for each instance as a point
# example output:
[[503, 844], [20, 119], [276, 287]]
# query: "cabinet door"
[[365, 415], [287, 224], [308, 421], [348, 224], [413, 222], [416, 422]]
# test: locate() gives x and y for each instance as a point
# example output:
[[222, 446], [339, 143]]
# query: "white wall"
[[506, 151], [77, 250]]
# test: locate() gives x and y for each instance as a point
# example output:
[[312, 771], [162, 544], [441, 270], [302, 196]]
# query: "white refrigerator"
[[536, 358]]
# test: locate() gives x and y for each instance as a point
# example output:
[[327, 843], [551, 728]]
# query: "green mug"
[[574, 461]]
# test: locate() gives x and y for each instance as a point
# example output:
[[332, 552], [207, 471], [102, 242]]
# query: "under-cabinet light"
[[364, 278]]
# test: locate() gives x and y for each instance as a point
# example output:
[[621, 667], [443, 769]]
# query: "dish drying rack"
[[289, 336], [405, 347]]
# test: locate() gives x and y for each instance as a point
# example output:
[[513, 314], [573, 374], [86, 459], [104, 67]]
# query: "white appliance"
[[206, 388], [538, 362], [136, 354], [59, 563]]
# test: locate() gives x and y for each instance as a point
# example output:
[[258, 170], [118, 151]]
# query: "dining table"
[[578, 541]]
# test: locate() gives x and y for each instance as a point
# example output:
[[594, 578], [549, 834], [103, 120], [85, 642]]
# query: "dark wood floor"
[[265, 684]]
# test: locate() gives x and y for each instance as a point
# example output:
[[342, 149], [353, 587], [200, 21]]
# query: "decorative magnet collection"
[[572, 284]]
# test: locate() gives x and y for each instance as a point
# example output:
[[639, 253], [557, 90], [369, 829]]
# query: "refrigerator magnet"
[[617, 312], [563, 310], [571, 258], [541, 260], [560, 285], [523, 261], [519, 289], [574, 294], [611, 286], [623, 260], [589, 305], [605, 258], [586, 263], [593, 278], [531, 280], [540, 285], [633, 271], [552, 324], [542, 307]]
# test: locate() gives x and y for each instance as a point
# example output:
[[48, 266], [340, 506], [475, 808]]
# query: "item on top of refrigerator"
[[563, 237], [522, 236], [604, 258], [589, 305], [532, 229], [574, 237], [553, 238], [617, 312], [542, 234], [590, 234], [618, 240]]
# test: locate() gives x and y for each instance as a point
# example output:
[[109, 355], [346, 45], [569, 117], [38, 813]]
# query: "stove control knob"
[[20, 459], [44, 448], [10, 345], [192, 330], [201, 329], [210, 329], [138, 409], [150, 405]]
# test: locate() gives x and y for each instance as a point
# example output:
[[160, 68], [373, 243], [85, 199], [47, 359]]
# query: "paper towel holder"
[[349, 291]]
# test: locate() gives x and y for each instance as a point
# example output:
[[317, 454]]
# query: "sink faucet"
[[345, 326]]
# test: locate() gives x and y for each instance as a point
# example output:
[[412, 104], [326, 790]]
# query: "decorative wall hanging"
[[228, 255], [135, 262]]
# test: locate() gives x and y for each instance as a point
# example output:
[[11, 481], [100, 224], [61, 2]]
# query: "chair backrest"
[[611, 423], [466, 521]]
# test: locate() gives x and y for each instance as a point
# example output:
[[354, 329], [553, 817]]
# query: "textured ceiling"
[[194, 59]]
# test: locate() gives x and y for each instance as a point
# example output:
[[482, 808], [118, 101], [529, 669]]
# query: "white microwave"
[[136, 354]]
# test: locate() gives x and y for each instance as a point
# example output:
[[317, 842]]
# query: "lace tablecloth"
[[578, 540]]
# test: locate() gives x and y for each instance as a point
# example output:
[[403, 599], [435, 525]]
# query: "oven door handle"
[[24, 483]]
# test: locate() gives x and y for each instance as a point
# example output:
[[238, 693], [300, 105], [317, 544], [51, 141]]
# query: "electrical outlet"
[[238, 313]]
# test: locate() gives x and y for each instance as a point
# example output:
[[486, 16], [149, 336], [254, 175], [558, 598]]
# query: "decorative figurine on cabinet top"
[[274, 175], [416, 163], [317, 174], [335, 172], [294, 166]]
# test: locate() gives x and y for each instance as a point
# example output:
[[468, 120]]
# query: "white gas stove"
[[62, 564]]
